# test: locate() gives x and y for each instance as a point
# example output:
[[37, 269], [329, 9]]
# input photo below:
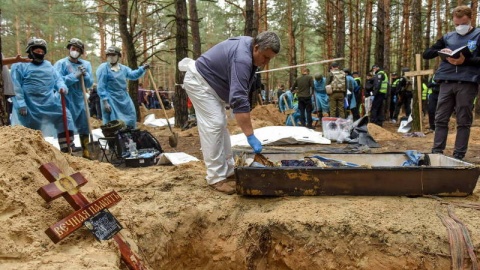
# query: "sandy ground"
[[175, 221]]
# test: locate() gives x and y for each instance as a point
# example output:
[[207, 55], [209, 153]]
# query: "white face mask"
[[462, 29], [112, 59], [74, 54]]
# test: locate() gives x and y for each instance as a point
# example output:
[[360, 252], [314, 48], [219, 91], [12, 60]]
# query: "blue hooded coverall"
[[321, 97], [112, 86], [283, 107], [74, 99], [36, 88]]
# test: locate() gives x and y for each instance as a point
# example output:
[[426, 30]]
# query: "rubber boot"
[[84, 142], [62, 142]]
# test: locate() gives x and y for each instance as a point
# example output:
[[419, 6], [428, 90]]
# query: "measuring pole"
[[302, 65]]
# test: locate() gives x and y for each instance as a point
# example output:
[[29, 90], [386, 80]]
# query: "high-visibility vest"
[[384, 85], [395, 83], [425, 91]]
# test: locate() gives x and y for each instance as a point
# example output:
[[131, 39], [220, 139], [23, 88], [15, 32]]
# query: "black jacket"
[[469, 70]]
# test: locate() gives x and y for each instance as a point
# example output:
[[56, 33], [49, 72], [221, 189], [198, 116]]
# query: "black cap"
[[355, 73], [334, 64], [394, 74], [375, 66]]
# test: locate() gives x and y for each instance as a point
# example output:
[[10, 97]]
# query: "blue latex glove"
[[254, 143]]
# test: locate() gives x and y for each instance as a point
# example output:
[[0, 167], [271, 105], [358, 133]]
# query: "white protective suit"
[[210, 113]]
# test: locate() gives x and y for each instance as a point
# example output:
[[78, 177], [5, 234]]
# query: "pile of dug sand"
[[177, 222]]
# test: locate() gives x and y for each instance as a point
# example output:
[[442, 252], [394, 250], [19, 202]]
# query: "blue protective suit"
[[36, 88], [289, 105], [351, 85], [321, 97], [112, 86], [75, 103]]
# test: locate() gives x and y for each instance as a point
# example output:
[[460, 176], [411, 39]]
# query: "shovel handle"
[[159, 99], [87, 111], [65, 123]]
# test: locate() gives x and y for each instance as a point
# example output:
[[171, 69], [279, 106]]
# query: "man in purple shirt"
[[221, 77]]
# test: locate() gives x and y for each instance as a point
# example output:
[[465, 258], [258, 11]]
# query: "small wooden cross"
[[418, 73], [68, 187]]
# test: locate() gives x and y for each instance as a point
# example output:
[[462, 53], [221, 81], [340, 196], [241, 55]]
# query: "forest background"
[[388, 33]]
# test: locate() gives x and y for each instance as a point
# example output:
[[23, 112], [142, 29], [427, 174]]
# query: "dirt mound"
[[178, 222], [381, 134]]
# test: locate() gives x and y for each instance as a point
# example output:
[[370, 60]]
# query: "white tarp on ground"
[[96, 133], [150, 121], [54, 141], [175, 158], [282, 135]]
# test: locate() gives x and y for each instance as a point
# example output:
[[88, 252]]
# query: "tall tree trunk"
[[143, 18], [17, 35], [448, 15], [262, 14], [340, 29], [387, 36], [406, 50], [380, 34], [329, 29], [181, 48], [474, 7], [353, 28], [367, 40], [428, 18], [263, 26], [249, 19], [417, 48], [129, 45], [195, 29], [291, 53], [256, 18], [101, 30]]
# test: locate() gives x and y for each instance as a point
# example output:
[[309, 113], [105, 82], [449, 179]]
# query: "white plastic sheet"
[[175, 158], [159, 122], [282, 135]]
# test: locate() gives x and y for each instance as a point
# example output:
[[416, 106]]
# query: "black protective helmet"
[[34, 43], [114, 50], [77, 43]]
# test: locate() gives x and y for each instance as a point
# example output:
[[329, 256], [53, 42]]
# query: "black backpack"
[[143, 139]]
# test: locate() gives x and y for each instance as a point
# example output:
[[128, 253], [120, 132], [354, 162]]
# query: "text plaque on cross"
[[71, 223]]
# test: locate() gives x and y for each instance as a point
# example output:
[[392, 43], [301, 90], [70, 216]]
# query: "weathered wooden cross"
[[418, 74], [68, 187]]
